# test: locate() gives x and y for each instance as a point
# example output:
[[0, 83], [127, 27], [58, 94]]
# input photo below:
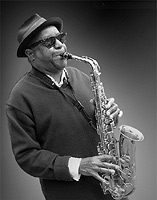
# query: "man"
[[51, 139]]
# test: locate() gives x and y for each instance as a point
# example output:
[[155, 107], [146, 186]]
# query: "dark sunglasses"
[[51, 41]]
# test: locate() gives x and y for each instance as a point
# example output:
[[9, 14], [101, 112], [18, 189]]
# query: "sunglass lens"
[[49, 42], [62, 37]]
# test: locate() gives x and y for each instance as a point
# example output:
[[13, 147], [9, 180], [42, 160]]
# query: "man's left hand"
[[112, 110]]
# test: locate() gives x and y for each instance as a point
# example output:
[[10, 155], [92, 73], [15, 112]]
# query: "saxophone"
[[122, 182]]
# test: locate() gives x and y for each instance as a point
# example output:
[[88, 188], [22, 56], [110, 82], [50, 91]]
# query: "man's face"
[[49, 60]]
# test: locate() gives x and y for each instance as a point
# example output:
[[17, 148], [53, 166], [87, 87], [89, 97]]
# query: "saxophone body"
[[122, 183]]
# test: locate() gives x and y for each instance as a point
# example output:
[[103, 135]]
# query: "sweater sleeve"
[[27, 151]]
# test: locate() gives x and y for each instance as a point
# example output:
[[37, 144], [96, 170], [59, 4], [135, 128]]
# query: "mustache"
[[60, 53]]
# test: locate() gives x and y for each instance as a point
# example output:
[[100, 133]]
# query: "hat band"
[[35, 25]]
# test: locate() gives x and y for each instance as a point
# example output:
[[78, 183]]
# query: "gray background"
[[121, 37]]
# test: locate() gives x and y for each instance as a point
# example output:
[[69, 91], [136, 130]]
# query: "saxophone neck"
[[93, 63]]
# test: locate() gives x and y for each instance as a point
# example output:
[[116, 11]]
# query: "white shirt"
[[73, 163], [63, 77]]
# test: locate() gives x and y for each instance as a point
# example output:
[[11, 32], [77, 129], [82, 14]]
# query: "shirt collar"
[[63, 78]]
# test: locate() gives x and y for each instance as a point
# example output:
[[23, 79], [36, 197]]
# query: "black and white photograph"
[[78, 100]]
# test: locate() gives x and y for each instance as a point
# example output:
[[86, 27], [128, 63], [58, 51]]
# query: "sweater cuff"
[[61, 169]]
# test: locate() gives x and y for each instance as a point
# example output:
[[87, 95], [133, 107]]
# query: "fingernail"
[[121, 160], [111, 116], [112, 171], [120, 113], [106, 106], [118, 168], [108, 113]]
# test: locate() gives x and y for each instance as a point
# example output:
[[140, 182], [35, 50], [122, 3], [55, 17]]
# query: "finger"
[[106, 171], [107, 158], [120, 113], [109, 103], [122, 160], [117, 113], [98, 177], [111, 166], [114, 114], [112, 109]]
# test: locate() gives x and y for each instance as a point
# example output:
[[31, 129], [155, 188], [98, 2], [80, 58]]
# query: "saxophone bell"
[[131, 133]]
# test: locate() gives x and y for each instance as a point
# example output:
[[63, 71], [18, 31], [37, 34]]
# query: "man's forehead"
[[48, 31]]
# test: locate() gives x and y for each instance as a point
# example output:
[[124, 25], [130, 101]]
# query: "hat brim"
[[54, 21]]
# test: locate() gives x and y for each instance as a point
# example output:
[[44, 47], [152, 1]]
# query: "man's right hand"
[[94, 166]]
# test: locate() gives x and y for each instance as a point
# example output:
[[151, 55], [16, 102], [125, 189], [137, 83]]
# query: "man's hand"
[[92, 166], [112, 109]]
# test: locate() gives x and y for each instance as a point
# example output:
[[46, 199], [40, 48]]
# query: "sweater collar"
[[48, 79]]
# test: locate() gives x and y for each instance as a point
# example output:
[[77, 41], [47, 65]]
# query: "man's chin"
[[60, 64]]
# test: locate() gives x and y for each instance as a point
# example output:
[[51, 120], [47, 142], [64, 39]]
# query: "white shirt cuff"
[[73, 165]]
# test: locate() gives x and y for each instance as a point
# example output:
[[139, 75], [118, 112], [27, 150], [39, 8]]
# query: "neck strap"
[[73, 98]]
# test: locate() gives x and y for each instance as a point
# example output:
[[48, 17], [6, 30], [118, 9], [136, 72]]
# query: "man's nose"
[[58, 44]]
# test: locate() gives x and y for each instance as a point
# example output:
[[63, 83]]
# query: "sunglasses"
[[51, 41]]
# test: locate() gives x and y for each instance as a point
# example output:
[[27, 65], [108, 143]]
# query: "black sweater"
[[46, 129]]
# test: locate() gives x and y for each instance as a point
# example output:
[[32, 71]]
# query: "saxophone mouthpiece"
[[66, 55]]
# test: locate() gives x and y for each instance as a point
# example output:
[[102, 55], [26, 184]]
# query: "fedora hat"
[[32, 26]]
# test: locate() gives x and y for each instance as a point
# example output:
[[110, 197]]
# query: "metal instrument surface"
[[122, 183]]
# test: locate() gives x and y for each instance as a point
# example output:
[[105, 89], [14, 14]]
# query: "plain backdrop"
[[121, 36]]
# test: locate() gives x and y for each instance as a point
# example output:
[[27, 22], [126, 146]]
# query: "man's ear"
[[30, 54]]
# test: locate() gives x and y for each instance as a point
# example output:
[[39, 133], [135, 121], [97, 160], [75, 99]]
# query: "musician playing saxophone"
[[48, 112]]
